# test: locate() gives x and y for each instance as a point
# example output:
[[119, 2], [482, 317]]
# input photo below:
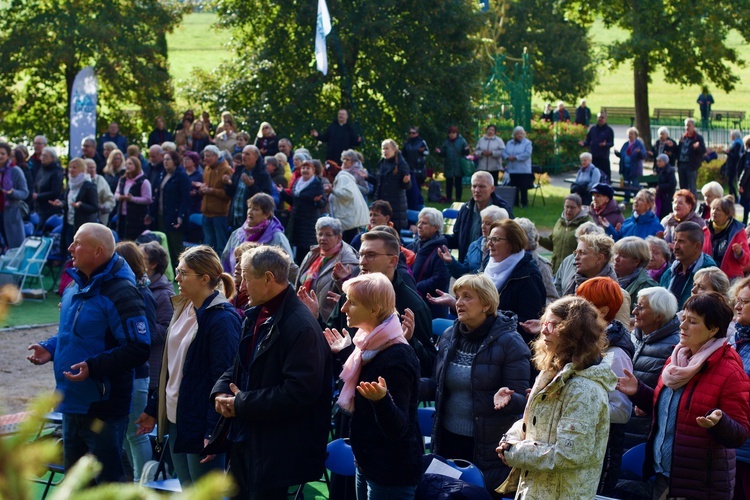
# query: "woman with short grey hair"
[[430, 272], [351, 163], [632, 255], [328, 264], [517, 155], [710, 279]]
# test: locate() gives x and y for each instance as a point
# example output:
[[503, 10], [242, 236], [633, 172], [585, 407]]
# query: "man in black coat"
[[154, 169], [245, 182], [340, 136], [278, 393], [468, 226]]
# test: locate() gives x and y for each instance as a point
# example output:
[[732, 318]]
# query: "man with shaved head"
[[103, 336]]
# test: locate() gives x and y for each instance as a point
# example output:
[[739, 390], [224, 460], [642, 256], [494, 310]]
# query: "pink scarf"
[[367, 346], [684, 365]]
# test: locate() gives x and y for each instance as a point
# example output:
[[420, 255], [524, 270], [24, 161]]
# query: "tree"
[[687, 39], [564, 71], [395, 63], [45, 43]]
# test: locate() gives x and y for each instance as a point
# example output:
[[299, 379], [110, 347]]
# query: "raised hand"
[[445, 254], [337, 341], [341, 271], [309, 299], [39, 356], [533, 326], [443, 299], [407, 323], [502, 397], [710, 420], [372, 390], [628, 384], [83, 372]]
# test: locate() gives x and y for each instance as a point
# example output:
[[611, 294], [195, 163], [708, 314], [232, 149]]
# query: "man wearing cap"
[[604, 205]]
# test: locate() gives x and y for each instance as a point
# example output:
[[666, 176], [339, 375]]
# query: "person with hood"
[[632, 255], [48, 184], [415, 151], [201, 342], [700, 407], [478, 355], [604, 206], [562, 240], [631, 155], [489, 150], [727, 243], [14, 191], [683, 210], [393, 180], [558, 447], [80, 202], [642, 223], [429, 270], [454, 147], [604, 294]]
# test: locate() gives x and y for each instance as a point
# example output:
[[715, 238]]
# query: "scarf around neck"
[[367, 345], [499, 272], [302, 184], [76, 182], [685, 364], [7, 176]]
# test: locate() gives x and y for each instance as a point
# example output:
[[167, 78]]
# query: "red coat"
[[732, 266], [703, 460]]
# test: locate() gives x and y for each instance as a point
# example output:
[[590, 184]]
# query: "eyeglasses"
[[548, 326], [742, 301], [495, 239], [180, 272], [370, 256]]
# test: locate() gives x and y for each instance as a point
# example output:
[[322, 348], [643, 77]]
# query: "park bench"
[[735, 117], [620, 112], [661, 114]]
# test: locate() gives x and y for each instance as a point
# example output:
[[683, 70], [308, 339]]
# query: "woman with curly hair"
[[557, 449]]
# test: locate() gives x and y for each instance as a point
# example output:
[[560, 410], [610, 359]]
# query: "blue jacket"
[[473, 263], [642, 226], [666, 279], [430, 271], [176, 199], [102, 322], [119, 140], [742, 344], [461, 237], [634, 160]]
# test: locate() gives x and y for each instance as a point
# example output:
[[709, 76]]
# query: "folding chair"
[[28, 261], [425, 419], [53, 418], [439, 325], [537, 170]]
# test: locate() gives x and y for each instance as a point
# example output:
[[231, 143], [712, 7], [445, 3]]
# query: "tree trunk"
[[640, 86]]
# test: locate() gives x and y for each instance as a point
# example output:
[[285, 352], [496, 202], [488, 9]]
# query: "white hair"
[[433, 216]]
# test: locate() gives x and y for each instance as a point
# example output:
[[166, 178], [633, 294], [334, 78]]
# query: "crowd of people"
[[299, 303]]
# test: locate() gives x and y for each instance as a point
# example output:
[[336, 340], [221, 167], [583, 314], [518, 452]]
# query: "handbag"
[[467, 166], [24, 208]]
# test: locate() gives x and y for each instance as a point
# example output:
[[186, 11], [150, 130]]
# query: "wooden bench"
[[672, 113], [735, 117], [620, 112]]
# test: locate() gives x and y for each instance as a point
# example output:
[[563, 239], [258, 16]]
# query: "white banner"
[[82, 109], [322, 28]]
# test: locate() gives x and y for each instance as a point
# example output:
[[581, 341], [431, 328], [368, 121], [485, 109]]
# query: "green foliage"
[[561, 70], [395, 63], [555, 144], [44, 43], [710, 172]]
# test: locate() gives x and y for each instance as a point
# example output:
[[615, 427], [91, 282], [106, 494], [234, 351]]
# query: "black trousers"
[[522, 182], [239, 467], [449, 182]]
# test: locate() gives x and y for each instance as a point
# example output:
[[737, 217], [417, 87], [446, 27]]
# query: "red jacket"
[[732, 266], [703, 460]]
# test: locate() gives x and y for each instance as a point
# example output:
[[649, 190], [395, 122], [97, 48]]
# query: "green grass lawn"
[[196, 43]]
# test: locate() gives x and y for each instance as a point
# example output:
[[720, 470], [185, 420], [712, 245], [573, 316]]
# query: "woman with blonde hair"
[[79, 201], [381, 382], [201, 343], [557, 448], [133, 196], [266, 140], [114, 169], [393, 179], [199, 136]]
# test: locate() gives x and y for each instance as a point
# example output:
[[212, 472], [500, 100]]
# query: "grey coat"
[[12, 219]]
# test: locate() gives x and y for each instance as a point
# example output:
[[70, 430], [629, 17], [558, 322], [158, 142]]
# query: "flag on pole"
[[82, 109], [322, 28]]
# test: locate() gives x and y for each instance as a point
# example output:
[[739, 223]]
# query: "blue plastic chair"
[[439, 326], [632, 460], [340, 458], [425, 418], [470, 473], [450, 213]]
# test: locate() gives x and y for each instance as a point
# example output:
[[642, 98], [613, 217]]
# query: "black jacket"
[[695, 155], [430, 271], [89, 209], [305, 211], [524, 293], [159, 137], [670, 151], [461, 237], [503, 360], [385, 435], [262, 184], [339, 139], [284, 407], [651, 353], [391, 187], [48, 185], [176, 200]]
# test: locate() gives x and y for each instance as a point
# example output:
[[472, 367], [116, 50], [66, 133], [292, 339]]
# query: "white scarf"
[[302, 184], [499, 272]]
